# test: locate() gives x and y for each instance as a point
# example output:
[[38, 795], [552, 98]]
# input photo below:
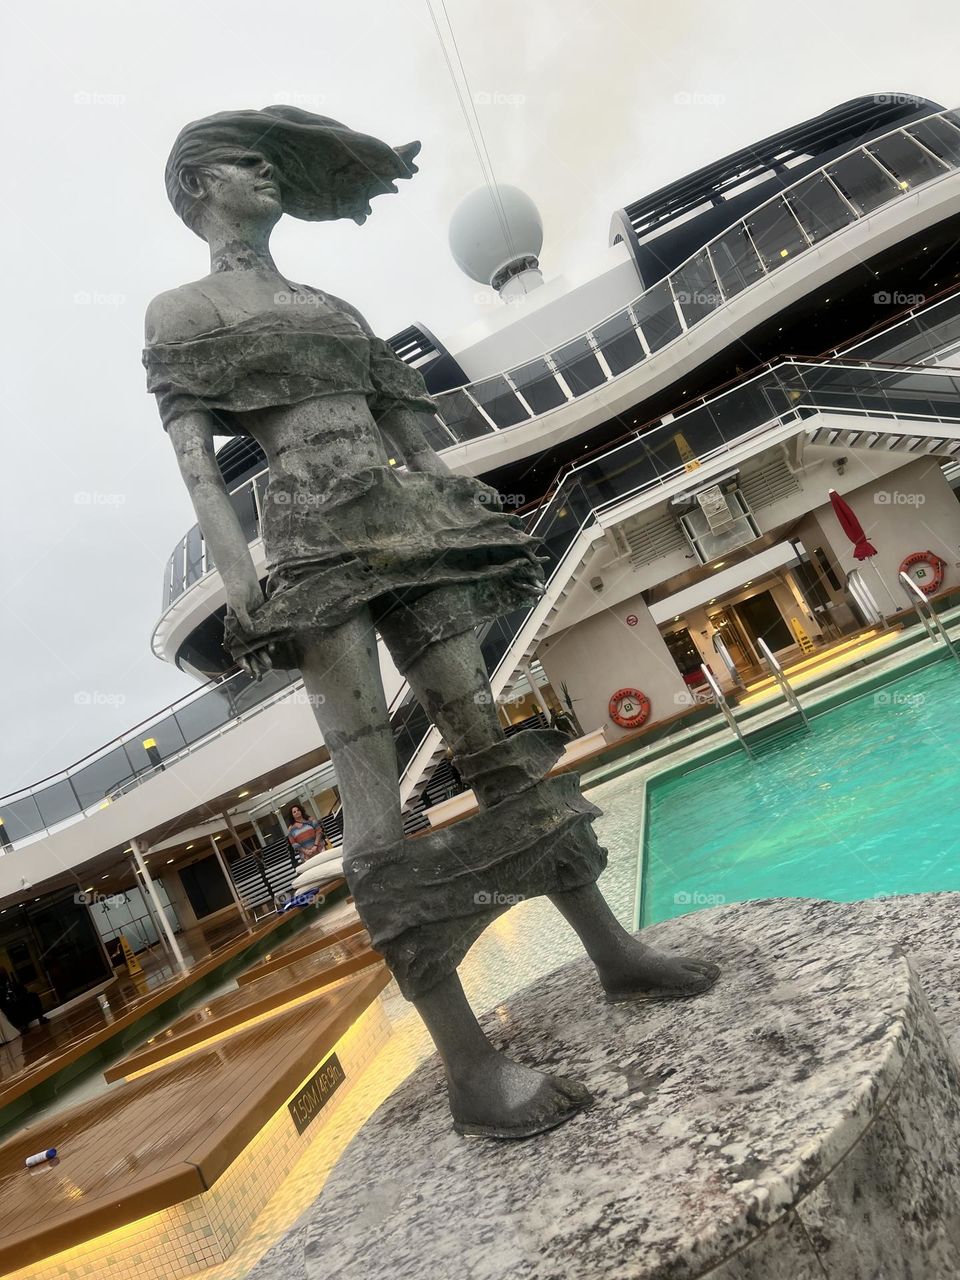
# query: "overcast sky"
[[585, 105]]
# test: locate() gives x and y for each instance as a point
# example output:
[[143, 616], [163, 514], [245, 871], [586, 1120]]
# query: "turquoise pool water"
[[866, 804]]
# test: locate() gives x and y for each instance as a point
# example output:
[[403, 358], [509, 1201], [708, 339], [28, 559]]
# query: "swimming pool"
[[864, 805]]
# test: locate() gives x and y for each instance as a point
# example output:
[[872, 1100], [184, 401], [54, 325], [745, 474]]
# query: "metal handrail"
[[727, 659], [928, 614], [786, 688], [724, 707]]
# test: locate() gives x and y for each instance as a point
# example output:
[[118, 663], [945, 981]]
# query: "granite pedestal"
[[801, 1120]]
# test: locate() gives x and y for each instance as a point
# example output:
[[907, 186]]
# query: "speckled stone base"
[[800, 1120]]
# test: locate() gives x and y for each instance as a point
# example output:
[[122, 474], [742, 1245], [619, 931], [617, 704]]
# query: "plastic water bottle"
[[41, 1157]]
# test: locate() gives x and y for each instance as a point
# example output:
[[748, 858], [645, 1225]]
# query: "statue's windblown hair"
[[325, 170]]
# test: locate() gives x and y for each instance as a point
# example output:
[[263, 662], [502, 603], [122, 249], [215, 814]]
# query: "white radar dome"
[[479, 245]]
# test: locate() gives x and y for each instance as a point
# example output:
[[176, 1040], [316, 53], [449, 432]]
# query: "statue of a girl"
[[356, 546]]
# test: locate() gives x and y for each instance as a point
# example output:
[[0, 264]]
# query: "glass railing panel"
[[736, 260], [21, 818], [938, 136], [166, 734], [194, 555], [178, 568], [819, 206], [437, 434], [907, 161], [628, 468], [578, 363], [619, 342], [56, 801], [863, 182], [538, 385], [244, 693], [260, 483], [205, 714], [168, 591], [460, 414], [243, 503], [696, 289], [657, 316], [499, 400], [776, 233], [98, 780], [746, 408]]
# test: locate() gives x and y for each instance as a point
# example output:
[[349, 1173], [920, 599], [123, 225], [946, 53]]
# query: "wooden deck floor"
[[316, 938], [43, 1053], [168, 1136], [268, 997]]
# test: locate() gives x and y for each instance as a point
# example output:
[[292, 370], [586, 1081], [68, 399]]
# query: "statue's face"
[[244, 189]]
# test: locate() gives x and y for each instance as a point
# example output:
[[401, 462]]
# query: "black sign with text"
[[307, 1104]]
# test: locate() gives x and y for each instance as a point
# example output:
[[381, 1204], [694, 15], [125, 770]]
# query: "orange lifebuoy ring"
[[629, 708], [930, 560]]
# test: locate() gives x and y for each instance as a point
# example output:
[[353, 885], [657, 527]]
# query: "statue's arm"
[[192, 436]]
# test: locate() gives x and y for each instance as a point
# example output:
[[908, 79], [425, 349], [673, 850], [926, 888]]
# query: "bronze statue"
[[355, 547]]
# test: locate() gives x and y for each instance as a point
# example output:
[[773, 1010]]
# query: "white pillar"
[[230, 885], [535, 689], [161, 914], [151, 912]]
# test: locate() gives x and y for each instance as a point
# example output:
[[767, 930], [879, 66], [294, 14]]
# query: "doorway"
[[763, 620]]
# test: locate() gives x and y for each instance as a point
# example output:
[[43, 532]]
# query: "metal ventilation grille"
[[768, 485], [649, 542]]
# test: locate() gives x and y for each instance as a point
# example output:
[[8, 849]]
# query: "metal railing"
[[800, 217], [786, 688], [928, 614], [724, 706]]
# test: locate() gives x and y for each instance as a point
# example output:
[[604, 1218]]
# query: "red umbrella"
[[863, 548]]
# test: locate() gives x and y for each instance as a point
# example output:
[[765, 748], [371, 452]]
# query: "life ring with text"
[[929, 578], [629, 708]]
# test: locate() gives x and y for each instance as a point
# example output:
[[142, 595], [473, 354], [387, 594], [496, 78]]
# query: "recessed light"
[[189, 846], [106, 876], [169, 860], [242, 794]]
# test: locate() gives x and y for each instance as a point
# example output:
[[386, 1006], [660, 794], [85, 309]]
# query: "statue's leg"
[[489, 1094], [450, 679]]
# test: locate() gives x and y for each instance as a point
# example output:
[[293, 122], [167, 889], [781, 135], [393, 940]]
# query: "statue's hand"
[[257, 652]]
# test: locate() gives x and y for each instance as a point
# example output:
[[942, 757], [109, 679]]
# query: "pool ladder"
[[928, 615], [769, 735]]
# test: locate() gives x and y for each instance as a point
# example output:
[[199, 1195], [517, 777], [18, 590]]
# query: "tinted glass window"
[[907, 161], [461, 416], [819, 207], [736, 260], [618, 340], [776, 233], [863, 182], [695, 289], [579, 366], [538, 385], [657, 316], [500, 401], [940, 137]]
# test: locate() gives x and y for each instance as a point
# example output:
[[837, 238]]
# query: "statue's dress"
[[432, 556], [342, 528]]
